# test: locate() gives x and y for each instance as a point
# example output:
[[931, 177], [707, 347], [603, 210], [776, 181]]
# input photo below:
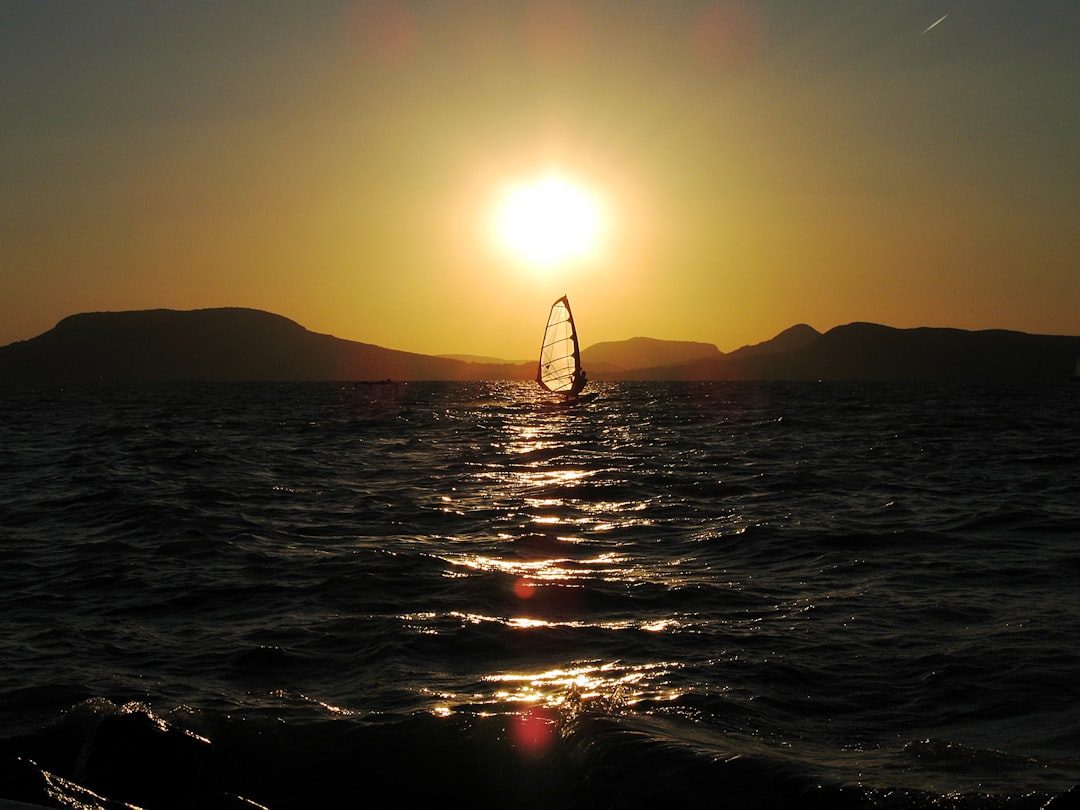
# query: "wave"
[[587, 754]]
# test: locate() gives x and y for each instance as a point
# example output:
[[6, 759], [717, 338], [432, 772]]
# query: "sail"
[[560, 360]]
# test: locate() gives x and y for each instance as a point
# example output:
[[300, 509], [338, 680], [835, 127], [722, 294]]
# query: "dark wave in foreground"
[[101, 756]]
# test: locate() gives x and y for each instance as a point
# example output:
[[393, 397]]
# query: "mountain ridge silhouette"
[[240, 344]]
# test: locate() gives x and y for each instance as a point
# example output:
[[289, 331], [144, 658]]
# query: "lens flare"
[[533, 730]]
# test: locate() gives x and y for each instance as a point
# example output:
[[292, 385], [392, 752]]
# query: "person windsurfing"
[[579, 382]]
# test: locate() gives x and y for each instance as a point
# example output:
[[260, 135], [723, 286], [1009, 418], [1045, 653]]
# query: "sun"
[[549, 220]]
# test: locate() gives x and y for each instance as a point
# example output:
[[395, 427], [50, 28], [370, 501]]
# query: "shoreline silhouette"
[[237, 344]]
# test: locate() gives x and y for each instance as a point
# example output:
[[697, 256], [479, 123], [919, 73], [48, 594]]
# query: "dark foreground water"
[[732, 595]]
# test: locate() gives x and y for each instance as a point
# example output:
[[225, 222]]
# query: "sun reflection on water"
[[428, 623], [567, 530], [552, 569], [565, 693], [555, 686]]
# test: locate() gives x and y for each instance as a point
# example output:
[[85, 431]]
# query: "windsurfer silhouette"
[[579, 383]]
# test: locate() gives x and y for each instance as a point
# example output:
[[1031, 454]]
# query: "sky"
[[758, 164]]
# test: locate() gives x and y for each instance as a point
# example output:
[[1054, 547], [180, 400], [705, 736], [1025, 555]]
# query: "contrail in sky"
[[935, 24]]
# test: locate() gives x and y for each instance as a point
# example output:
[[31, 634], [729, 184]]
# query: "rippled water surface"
[[871, 588]]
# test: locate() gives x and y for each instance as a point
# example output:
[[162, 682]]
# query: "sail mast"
[[573, 336]]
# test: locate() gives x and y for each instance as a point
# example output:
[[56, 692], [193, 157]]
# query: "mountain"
[[865, 351], [870, 351], [476, 358], [792, 338], [247, 344], [635, 354], [643, 352], [214, 344]]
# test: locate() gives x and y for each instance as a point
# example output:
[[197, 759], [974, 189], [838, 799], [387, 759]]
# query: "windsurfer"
[[559, 369], [579, 383]]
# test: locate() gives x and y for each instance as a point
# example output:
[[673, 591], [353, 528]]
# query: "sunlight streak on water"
[[531, 480], [553, 569], [613, 681]]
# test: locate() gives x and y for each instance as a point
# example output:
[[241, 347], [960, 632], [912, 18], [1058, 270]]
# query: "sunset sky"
[[755, 164]]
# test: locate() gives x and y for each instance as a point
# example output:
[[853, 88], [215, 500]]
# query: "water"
[[774, 595]]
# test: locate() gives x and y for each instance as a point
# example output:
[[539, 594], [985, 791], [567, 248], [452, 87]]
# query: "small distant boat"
[[559, 370], [1076, 371]]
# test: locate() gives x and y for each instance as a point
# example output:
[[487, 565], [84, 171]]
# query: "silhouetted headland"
[[235, 344], [870, 352], [212, 345]]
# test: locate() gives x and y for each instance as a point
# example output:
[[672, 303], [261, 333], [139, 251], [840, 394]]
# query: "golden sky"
[[759, 164]]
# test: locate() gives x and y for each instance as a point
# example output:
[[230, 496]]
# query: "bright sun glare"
[[549, 220]]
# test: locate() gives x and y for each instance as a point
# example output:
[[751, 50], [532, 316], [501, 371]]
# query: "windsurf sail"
[[560, 359]]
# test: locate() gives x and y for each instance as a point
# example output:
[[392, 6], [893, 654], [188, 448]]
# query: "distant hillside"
[[792, 338], [870, 351], [863, 351], [476, 358], [643, 352], [246, 344], [213, 344]]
